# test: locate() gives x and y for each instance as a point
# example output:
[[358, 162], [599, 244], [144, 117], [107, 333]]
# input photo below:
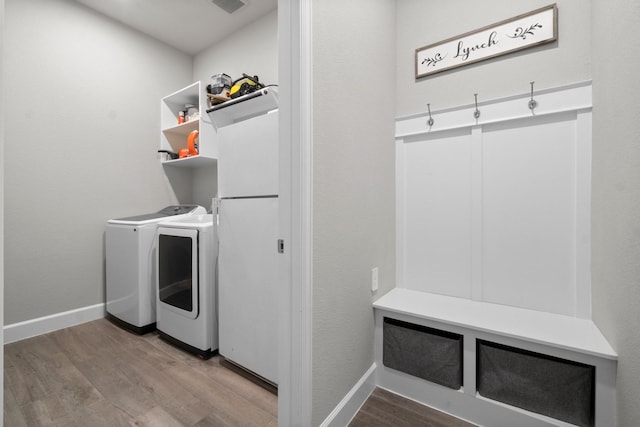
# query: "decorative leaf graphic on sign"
[[523, 33], [433, 61]]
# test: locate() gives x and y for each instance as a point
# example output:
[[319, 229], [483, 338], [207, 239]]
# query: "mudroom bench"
[[494, 365]]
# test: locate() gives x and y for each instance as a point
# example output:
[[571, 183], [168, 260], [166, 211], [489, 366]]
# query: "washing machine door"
[[178, 270]]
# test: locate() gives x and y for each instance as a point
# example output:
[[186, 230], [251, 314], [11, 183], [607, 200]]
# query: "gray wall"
[[353, 187], [616, 192], [82, 134], [421, 23], [82, 129], [252, 50]]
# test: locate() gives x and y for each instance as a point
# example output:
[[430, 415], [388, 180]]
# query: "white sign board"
[[524, 31]]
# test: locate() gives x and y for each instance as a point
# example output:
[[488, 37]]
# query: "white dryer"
[[186, 284], [130, 266]]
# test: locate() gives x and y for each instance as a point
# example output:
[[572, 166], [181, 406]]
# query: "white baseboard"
[[42, 325], [353, 401]]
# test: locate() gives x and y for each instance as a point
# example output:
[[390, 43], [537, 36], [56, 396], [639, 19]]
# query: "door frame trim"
[[295, 215]]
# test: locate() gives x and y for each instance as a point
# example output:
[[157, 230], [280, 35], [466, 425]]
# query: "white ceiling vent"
[[229, 6]]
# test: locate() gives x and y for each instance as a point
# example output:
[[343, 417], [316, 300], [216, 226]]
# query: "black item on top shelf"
[[171, 154]]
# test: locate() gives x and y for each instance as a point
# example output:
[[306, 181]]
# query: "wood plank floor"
[[386, 409], [97, 374]]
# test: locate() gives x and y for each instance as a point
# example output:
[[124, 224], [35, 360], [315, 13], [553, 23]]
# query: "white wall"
[[421, 23], [616, 192], [82, 132], [353, 188]]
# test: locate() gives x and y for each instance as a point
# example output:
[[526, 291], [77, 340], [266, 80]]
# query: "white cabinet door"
[[247, 284], [248, 157]]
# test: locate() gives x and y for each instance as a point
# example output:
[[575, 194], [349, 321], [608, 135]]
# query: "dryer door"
[[178, 270]]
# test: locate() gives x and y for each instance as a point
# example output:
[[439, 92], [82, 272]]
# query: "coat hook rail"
[[476, 113], [430, 121], [532, 102]]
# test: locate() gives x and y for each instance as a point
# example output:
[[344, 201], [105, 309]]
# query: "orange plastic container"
[[192, 143]]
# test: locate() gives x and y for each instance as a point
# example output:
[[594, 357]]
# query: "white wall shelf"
[[183, 128], [174, 135], [244, 107], [190, 162]]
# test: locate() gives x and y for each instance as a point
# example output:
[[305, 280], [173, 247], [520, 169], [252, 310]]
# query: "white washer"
[[186, 284], [130, 266]]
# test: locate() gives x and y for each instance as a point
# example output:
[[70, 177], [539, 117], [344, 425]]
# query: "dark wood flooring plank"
[[102, 368], [72, 342], [437, 418], [49, 411], [366, 419], [225, 377], [101, 414], [60, 386], [99, 374], [154, 356], [22, 378], [404, 411], [229, 407], [171, 395], [385, 414], [155, 417], [178, 355], [213, 420], [386, 409], [12, 413], [116, 387]]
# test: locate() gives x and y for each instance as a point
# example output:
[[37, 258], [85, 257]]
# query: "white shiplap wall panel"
[[492, 210], [438, 203], [528, 218]]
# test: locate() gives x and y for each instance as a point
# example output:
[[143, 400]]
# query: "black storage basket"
[[427, 353], [558, 388]]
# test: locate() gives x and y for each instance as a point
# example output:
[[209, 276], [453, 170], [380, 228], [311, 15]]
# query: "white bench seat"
[[560, 336], [570, 333]]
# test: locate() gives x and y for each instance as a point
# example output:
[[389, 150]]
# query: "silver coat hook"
[[430, 121], [532, 103], [476, 113]]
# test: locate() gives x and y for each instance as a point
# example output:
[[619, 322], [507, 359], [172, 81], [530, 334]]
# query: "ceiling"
[[188, 25]]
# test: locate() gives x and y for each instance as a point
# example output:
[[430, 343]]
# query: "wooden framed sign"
[[521, 32]]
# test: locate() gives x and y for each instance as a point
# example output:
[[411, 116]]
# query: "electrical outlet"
[[374, 279]]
